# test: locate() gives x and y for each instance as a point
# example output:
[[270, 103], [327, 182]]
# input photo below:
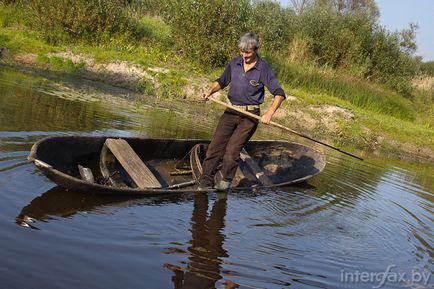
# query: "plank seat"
[[140, 174]]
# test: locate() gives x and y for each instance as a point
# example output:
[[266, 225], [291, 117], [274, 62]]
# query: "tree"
[[352, 6], [272, 24], [300, 6], [407, 38]]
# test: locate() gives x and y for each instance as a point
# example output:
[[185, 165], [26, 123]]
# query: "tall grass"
[[11, 15], [360, 93]]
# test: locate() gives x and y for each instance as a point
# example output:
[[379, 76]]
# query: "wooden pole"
[[282, 127]]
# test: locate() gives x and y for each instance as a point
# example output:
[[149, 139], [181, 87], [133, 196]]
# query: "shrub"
[[389, 63], [344, 44], [8, 2], [11, 14], [299, 49], [207, 30], [146, 7], [354, 42], [427, 68], [272, 24], [314, 24], [67, 20]]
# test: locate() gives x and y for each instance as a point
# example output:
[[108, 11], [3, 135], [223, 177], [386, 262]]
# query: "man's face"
[[248, 55]]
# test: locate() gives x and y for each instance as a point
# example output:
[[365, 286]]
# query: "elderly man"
[[248, 74]]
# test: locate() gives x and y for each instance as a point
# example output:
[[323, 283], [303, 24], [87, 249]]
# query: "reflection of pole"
[[206, 246]]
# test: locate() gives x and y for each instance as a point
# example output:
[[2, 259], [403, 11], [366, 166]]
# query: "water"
[[357, 225]]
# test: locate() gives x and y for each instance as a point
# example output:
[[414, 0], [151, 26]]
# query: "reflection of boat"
[[58, 202], [205, 248], [282, 163]]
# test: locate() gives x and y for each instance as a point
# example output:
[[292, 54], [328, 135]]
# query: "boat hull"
[[58, 158]]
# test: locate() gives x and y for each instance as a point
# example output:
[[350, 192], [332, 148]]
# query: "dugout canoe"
[[170, 160]]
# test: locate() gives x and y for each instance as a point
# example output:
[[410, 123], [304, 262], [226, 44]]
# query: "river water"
[[356, 225]]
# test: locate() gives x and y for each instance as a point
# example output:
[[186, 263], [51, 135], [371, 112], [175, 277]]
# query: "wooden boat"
[[172, 163]]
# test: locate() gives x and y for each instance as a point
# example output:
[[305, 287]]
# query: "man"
[[247, 74]]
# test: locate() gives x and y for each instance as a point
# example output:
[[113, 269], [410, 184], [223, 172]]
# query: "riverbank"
[[322, 116]]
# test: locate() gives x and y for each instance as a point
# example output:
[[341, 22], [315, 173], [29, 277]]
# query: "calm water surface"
[[357, 225]]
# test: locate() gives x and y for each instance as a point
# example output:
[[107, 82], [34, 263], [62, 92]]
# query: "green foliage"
[[60, 64], [16, 39], [11, 14], [8, 2], [272, 24], [349, 7], [66, 20], [155, 30], [354, 42], [361, 94], [164, 85], [344, 35], [139, 8], [389, 63], [171, 85], [427, 68], [207, 30], [3, 40], [344, 44]]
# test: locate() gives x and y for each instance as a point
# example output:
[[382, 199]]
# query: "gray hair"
[[248, 41]]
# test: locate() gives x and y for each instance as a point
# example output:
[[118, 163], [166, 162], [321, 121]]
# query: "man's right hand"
[[215, 86], [206, 95]]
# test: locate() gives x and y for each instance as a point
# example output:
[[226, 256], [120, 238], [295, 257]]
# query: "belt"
[[246, 107]]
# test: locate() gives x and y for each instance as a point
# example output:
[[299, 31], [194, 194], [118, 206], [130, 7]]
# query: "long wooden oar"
[[283, 127]]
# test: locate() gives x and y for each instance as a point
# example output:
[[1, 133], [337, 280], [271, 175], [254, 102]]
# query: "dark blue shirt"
[[247, 88]]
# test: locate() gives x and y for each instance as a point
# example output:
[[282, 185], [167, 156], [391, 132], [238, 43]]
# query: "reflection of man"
[[206, 247]]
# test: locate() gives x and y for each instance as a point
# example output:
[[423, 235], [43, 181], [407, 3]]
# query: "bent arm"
[[266, 118], [215, 86]]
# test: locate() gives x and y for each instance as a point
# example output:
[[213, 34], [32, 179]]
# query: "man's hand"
[[215, 86], [266, 118], [206, 95]]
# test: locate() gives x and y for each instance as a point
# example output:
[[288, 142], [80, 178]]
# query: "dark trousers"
[[233, 131]]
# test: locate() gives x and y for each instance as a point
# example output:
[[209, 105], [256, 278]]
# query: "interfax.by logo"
[[379, 279]]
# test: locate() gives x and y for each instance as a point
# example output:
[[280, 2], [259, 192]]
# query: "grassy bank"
[[325, 103]]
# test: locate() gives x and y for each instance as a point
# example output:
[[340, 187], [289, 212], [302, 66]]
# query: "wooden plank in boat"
[[256, 170], [86, 174], [133, 165]]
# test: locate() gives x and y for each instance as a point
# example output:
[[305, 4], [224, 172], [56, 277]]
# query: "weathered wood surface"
[[133, 165], [86, 174], [256, 170]]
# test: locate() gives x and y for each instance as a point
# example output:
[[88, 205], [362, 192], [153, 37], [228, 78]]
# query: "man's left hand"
[[266, 118]]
